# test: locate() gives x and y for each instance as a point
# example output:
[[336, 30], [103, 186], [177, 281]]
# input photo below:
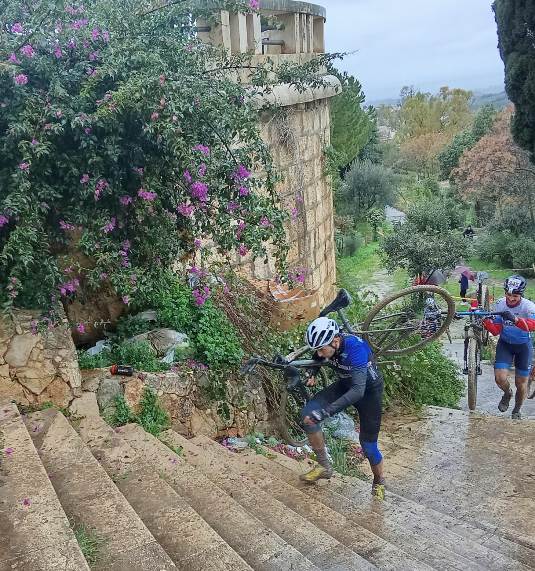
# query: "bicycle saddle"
[[342, 300]]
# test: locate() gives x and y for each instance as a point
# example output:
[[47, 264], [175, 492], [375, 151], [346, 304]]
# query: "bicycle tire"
[[421, 289], [289, 427], [531, 384], [473, 363]]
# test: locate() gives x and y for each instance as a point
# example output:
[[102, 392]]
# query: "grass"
[[90, 543], [358, 270], [345, 461]]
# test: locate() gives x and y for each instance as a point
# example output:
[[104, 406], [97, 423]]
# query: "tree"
[[429, 239], [118, 154], [496, 171], [352, 125], [516, 22], [366, 186], [419, 154], [449, 157]]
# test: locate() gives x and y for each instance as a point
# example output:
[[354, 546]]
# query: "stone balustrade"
[[280, 27]]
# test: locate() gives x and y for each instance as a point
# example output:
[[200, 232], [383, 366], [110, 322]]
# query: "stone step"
[[190, 542], [89, 497], [446, 459], [258, 545], [371, 547], [35, 533], [402, 526], [320, 547]]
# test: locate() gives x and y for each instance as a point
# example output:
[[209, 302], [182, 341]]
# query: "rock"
[[164, 340], [107, 391], [4, 371], [37, 378], [58, 392], [91, 378], [133, 393], [11, 391], [86, 406], [202, 422], [20, 349]]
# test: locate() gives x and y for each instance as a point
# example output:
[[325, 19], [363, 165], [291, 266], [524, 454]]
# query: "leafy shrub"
[[100, 361], [175, 306], [152, 417], [121, 414], [132, 325], [216, 338], [427, 377], [351, 243], [140, 355]]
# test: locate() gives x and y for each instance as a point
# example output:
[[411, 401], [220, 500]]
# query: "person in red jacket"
[[514, 325]]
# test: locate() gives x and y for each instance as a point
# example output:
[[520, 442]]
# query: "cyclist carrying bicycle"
[[514, 345], [358, 383]]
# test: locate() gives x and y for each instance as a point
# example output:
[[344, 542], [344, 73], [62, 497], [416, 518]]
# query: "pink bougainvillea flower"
[[202, 170], [103, 276], [200, 296], [88, 130], [265, 222], [58, 53], [34, 142], [3, 220], [139, 170], [162, 79], [202, 149], [242, 250], [154, 116], [126, 299], [95, 34], [94, 56], [185, 209], [254, 4], [24, 166], [91, 71], [80, 328], [243, 191], [106, 36], [21, 79], [65, 225], [59, 114], [9, 451], [84, 179], [101, 185], [71, 44], [197, 243], [199, 190], [27, 50], [126, 200], [241, 173], [187, 177], [146, 195], [13, 58], [110, 226], [26, 502], [17, 28], [77, 24]]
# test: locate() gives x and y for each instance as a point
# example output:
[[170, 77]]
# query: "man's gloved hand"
[[317, 416], [508, 316]]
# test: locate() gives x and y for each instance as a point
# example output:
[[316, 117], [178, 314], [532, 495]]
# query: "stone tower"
[[297, 133]]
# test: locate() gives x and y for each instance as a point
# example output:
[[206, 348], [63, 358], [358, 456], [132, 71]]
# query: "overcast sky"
[[425, 43]]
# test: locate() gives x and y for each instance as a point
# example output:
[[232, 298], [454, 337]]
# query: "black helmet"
[[515, 285]]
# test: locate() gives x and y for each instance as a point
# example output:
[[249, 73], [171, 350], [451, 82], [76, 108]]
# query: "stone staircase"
[[460, 496]]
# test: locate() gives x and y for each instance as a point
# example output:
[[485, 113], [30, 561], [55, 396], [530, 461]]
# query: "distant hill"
[[498, 100]]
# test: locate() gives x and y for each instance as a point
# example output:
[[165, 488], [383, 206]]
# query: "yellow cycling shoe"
[[378, 491], [317, 473]]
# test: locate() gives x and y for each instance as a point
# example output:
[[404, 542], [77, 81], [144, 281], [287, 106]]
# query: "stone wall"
[[36, 368], [181, 394], [297, 136]]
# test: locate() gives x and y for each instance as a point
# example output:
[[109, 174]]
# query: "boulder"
[[133, 393], [20, 349], [108, 390]]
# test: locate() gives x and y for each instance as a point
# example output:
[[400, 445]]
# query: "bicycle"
[[474, 342], [394, 327]]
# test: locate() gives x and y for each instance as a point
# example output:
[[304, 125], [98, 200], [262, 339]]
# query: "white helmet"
[[321, 332]]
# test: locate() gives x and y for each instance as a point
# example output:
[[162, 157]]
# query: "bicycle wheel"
[[474, 364], [290, 405], [531, 384], [397, 325]]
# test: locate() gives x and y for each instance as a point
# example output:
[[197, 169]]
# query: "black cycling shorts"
[[369, 407]]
